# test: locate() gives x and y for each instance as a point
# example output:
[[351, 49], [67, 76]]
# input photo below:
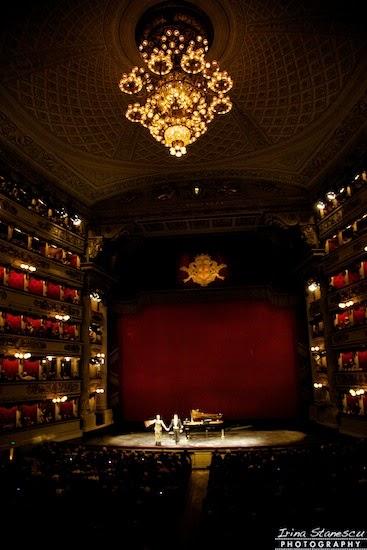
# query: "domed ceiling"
[[299, 95]]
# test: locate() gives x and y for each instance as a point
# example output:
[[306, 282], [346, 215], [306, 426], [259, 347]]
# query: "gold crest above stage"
[[203, 270]]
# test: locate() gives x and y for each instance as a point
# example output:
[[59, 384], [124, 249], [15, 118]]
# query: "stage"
[[233, 438]]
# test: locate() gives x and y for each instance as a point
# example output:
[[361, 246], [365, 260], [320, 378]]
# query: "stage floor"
[[233, 438]]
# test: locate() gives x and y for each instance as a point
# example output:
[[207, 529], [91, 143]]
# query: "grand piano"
[[203, 422]]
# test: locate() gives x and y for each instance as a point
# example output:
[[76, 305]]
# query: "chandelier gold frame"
[[180, 91]]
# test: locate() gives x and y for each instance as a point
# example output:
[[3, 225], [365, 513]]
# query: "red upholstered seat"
[[10, 367], [7, 417], [339, 280], [66, 410], [33, 324], [353, 404], [16, 280], [354, 275], [347, 359], [74, 260], [342, 319], [52, 328], [31, 367], [29, 414], [331, 244], [362, 359], [359, 315], [35, 286], [14, 322], [55, 253], [70, 295], [53, 291], [69, 331]]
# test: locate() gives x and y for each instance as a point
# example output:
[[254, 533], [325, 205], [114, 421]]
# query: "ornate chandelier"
[[180, 92]]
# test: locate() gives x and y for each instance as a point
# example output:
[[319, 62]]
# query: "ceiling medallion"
[[179, 91], [203, 270]]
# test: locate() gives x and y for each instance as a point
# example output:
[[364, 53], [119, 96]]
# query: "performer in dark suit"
[[176, 426]]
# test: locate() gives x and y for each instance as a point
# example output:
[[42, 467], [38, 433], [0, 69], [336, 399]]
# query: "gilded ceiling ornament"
[[203, 270]]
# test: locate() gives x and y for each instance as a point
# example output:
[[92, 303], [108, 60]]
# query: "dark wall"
[[236, 357], [255, 258]]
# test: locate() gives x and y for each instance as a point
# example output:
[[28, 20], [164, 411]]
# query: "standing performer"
[[176, 426], [158, 423]]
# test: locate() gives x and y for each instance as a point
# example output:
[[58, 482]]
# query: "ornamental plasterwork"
[[203, 270]]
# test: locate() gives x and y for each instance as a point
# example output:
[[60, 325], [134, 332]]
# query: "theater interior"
[[183, 230]]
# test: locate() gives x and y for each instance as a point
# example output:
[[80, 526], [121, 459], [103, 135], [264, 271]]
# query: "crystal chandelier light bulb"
[[181, 91]]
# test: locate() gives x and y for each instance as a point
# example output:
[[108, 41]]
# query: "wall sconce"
[[60, 399], [330, 195], [99, 390], [343, 305], [62, 317], [357, 392], [320, 205], [312, 286], [315, 348], [317, 385], [95, 296], [22, 355], [28, 267]]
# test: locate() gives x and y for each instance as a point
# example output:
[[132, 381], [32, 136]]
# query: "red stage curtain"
[[364, 269], [2, 274], [35, 286], [16, 280], [237, 358]]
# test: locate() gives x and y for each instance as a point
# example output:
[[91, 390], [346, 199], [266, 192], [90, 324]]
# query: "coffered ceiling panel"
[[299, 71]]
